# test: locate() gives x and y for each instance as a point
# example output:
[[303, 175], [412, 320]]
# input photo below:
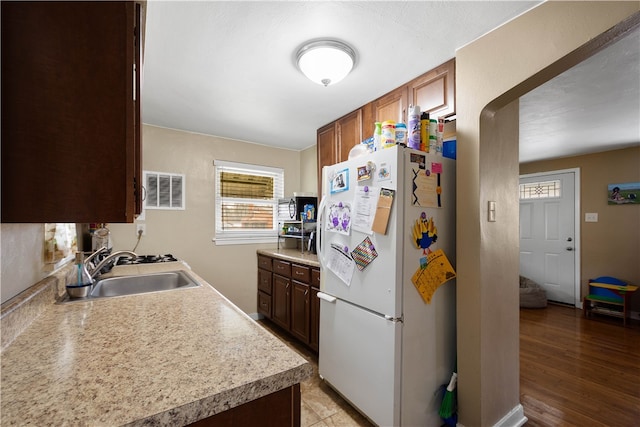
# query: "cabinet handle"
[[299, 273], [306, 292]]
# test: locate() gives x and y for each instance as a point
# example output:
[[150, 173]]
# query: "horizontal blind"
[[246, 199]]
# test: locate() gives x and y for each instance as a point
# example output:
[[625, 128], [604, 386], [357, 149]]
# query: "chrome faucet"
[[88, 261], [93, 273]]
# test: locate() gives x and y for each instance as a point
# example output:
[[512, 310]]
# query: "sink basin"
[[142, 284]]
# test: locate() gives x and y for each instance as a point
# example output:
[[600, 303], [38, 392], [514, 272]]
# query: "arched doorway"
[[492, 73]]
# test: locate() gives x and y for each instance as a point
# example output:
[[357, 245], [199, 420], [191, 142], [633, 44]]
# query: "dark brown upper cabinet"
[[71, 133]]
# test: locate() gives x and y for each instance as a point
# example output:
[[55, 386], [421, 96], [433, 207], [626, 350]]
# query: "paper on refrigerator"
[[365, 204], [340, 263]]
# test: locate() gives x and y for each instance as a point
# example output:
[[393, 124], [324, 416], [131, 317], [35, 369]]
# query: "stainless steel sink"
[[142, 284], [139, 284]]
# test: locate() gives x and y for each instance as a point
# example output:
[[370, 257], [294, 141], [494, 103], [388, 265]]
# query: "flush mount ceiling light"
[[325, 62]]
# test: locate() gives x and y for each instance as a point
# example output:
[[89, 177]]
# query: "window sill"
[[222, 241]]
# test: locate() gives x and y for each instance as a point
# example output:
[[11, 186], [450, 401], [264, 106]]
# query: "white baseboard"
[[515, 418]]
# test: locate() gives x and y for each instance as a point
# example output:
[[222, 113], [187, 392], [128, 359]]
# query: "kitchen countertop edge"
[[291, 255]]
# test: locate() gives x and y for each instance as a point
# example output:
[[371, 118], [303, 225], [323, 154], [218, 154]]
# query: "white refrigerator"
[[382, 346]]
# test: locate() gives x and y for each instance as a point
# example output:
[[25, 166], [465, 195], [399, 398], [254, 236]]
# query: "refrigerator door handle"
[[320, 232], [326, 297]]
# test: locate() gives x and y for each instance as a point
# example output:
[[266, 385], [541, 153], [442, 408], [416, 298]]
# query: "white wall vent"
[[164, 190]]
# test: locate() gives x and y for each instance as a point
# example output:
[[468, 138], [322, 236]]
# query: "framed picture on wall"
[[623, 194]]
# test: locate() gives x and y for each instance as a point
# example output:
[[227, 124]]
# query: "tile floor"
[[321, 405]]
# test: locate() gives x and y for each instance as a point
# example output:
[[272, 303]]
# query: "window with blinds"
[[246, 202]]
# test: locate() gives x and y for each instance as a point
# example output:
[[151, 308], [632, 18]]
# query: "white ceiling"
[[227, 68]]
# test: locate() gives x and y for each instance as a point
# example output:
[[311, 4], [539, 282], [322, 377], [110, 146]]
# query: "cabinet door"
[[264, 281], [349, 130], [69, 135], [281, 301], [392, 106], [300, 311], [314, 318], [264, 304], [326, 151], [434, 91]]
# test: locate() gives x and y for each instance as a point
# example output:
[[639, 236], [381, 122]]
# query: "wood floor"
[[576, 371]]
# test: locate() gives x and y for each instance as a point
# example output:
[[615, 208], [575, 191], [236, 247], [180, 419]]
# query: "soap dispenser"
[[80, 280]]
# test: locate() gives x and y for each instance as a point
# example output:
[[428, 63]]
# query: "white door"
[[547, 233]]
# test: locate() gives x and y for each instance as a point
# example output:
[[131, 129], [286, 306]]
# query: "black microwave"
[[291, 208]]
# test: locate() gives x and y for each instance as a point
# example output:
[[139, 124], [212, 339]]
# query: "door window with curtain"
[[246, 202]]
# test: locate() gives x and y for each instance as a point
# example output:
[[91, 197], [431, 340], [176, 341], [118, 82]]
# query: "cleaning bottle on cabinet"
[[377, 137], [424, 131], [413, 137]]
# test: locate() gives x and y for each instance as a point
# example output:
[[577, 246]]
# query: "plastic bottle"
[[388, 133], [82, 277], [79, 280], [377, 137], [401, 134], [414, 127], [439, 135], [424, 132], [433, 125]]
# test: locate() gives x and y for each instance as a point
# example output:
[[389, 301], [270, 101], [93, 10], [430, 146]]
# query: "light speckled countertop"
[[167, 358], [292, 255]]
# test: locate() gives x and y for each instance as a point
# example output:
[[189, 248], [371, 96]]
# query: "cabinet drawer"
[[264, 262], [300, 273], [264, 281], [283, 268], [315, 278], [264, 304]]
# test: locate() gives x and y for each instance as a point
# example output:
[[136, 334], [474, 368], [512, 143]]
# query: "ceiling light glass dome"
[[325, 62]]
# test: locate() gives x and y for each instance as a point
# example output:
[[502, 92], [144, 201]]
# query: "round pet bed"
[[531, 294]]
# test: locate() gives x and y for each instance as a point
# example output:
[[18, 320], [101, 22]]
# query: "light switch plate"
[[591, 217], [491, 210]]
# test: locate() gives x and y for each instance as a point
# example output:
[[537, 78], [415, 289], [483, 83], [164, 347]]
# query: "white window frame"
[[239, 237], [171, 176]]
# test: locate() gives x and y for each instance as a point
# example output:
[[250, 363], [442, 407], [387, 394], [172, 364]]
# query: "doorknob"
[[569, 239], [569, 248]]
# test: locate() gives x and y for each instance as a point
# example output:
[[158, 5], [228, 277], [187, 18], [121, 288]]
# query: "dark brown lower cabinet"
[[314, 315], [300, 300], [288, 296], [281, 301], [279, 409]]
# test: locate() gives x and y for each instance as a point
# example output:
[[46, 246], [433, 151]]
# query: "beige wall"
[[187, 234], [491, 73], [309, 170], [22, 258], [611, 246]]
